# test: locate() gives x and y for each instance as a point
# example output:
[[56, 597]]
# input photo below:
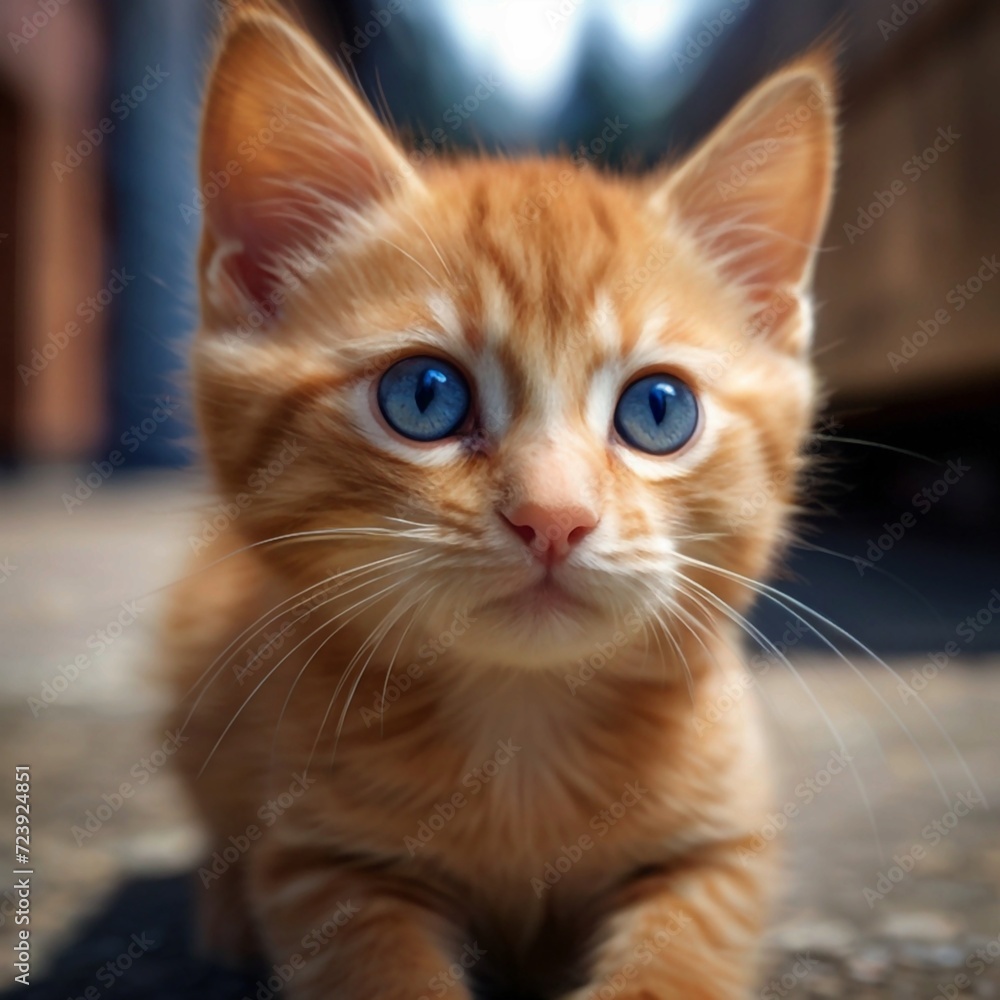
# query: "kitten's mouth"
[[545, 596]]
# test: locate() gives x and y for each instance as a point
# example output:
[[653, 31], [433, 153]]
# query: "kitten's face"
[[536, 393]]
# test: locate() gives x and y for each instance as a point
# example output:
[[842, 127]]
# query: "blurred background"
[[99, 221]]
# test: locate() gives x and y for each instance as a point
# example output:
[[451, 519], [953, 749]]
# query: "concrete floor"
[[67, 575]]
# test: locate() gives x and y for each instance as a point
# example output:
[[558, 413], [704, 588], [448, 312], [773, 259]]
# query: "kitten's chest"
[[527, 790]]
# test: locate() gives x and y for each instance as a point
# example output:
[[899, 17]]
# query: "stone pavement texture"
[[893, 863]]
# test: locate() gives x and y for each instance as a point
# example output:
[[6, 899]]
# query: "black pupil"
[[658, 402], [427, 386]]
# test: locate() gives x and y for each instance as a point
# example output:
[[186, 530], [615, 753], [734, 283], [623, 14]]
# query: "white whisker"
[[759, 636], [364, 601]]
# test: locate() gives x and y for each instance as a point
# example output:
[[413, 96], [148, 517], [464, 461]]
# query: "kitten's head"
[[525, 390]]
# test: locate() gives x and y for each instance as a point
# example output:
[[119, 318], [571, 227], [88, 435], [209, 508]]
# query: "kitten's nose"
[[550, 532]]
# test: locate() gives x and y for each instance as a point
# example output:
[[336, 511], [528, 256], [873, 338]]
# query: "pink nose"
[[551, 532]]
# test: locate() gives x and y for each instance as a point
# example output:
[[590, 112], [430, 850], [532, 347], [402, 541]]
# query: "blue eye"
[[657, 414], [424, 399]]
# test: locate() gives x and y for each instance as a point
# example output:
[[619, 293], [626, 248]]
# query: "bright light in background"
[[532, 56], [647, 27], [535, 48]]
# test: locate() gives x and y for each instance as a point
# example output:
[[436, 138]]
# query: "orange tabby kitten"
[[484, 436]]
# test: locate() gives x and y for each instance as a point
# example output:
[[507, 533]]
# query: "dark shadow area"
[[154, 918], [897, 548], [142, 946]]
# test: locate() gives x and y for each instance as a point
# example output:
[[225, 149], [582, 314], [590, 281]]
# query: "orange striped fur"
[[425, 759]]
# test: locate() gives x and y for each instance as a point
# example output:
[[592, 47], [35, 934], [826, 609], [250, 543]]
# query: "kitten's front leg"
[[337, 934], [686, 934]]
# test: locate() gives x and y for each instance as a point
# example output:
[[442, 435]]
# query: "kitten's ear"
[[755, 194], [289, 154]]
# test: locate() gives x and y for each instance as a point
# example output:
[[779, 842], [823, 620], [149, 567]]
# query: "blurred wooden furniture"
[[51, 259], [909, 289]]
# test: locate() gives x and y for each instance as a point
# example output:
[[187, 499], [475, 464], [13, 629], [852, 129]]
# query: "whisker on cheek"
[[362, 604], [295, 601]]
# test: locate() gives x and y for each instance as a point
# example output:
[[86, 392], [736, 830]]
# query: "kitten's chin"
[[539, 626]]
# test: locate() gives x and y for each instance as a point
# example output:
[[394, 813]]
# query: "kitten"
[[486, 437]]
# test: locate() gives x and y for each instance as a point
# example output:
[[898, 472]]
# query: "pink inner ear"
[[240, 277], [260, 220], [293, 152], [245, 269], [252, 234], [246, 273]]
